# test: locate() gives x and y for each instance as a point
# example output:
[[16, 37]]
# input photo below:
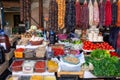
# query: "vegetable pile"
[[87, 45], [104, 65]]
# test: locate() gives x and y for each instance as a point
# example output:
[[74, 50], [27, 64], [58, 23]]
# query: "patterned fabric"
[[101, 13], [61, 13], [53, 18], [118, 17], [71, 16], [90, 6], [95, 13], [78, 13], [108, 13]]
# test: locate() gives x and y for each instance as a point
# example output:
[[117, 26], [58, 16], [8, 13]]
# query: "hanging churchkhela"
[[95, 14], [71, 16], [90, 7], [84, 16], [61, 13], [53, 18], [118, 17], [66, 14], [78, 14], [21, 10], [114, 12], [108, 13], [101, 13]]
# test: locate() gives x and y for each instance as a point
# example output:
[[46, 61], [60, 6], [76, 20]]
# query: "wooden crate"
[[80, 74]]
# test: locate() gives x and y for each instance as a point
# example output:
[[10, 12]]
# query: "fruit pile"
[[87, 45]]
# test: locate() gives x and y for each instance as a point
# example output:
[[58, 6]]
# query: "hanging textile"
[[61, 13], [90, 7], [118, 17], [78, 10], [71, 16], [101, 13], [108, 13], [84, 16], [114, 12], [53, 12], [95, 13]]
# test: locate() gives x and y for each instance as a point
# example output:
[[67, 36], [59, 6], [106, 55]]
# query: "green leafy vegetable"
[[99, 54], [104, 66]]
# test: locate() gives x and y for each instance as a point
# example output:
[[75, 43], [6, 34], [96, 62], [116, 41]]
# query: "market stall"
[[80, 50]]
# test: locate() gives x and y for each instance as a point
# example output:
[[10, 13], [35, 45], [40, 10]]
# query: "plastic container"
[[49, 78], [28, 66], [24, 78], [29, 53], [16, 65], [40, 66], [40, 52], [36, 77], [10, 77], [19, 53], [52, 66]]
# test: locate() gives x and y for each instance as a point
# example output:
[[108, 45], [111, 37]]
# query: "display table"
[[30, 74], [88, 74], [31, 46], [80, 74]]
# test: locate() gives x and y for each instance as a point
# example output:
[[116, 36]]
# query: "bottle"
[[2, 55], [4, 41], [45, 35], [7, 29], [52, 37], [49, 52]]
